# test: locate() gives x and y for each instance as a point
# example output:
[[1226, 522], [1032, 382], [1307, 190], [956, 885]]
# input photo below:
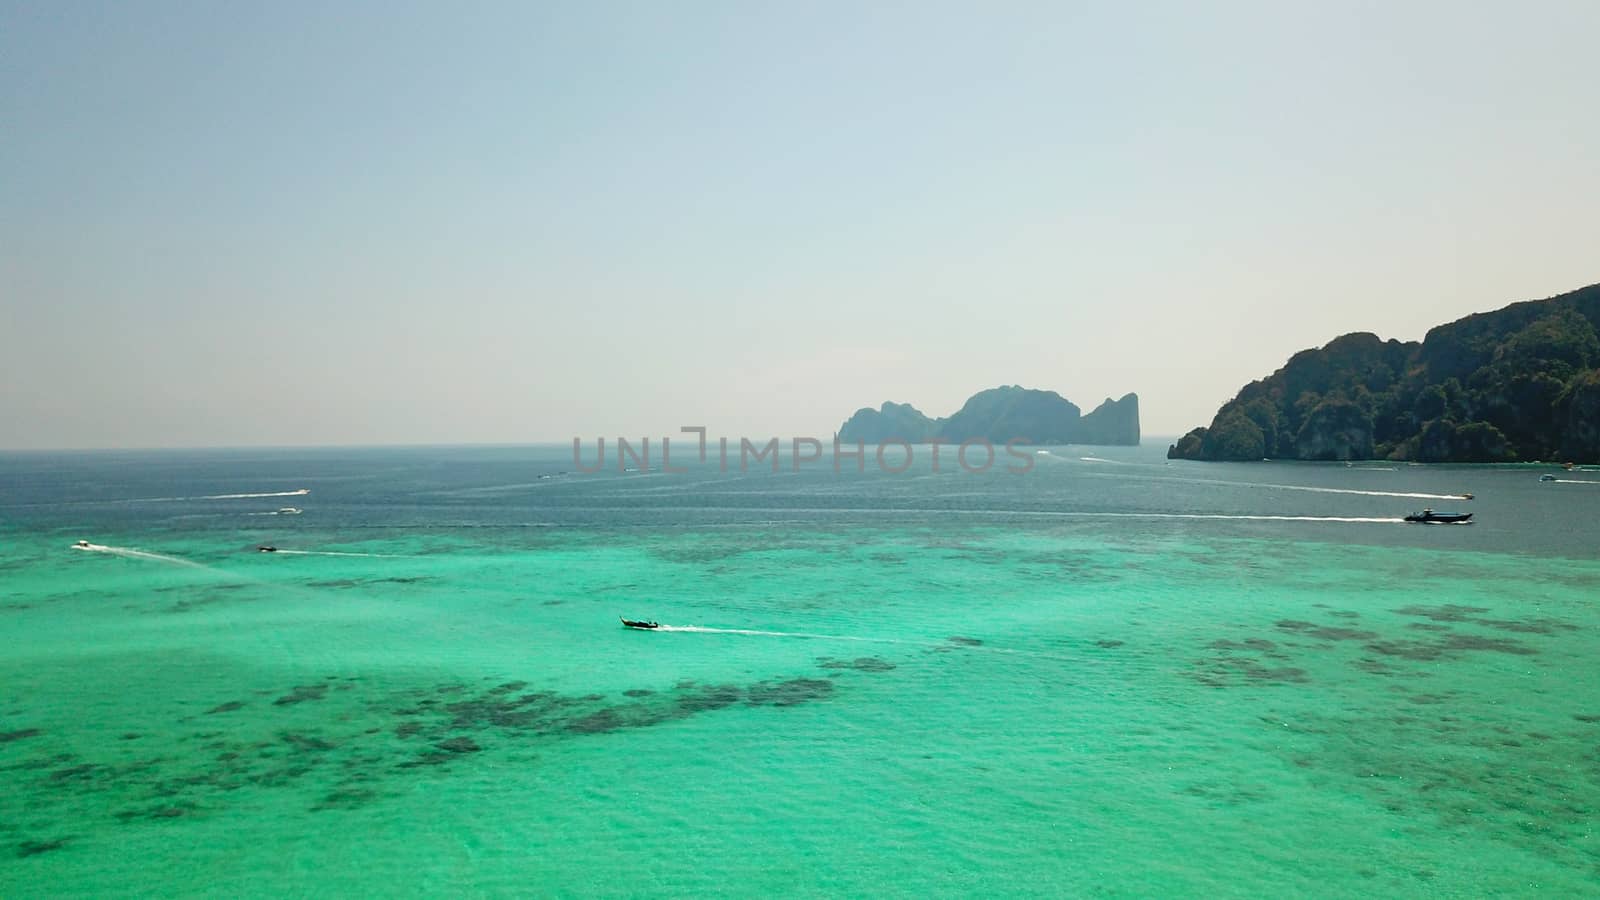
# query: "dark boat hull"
[[1439, 518], [642, 626]]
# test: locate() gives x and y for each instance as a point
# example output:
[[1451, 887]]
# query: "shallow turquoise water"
[[922, 684]]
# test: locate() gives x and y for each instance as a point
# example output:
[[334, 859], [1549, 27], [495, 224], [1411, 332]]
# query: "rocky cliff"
[[1000, 415], [1519, 383]]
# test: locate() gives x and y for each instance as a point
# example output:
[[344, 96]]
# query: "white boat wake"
[[1296, 487], [341, 553], [1323, 490], [1250, 518], [130, 553], [951, 645], [698, 629], [298, 492]]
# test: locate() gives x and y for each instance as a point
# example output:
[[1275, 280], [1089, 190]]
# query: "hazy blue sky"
[[353, 222]]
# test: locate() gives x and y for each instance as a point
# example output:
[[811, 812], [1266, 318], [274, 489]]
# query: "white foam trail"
[[298, 492], [1298, 487], [1099, 460], [131, 553], [807, 635], [1573, 481], [698, 629], [1022, 513], [338, 553], [1323, 490], [1368, 519]]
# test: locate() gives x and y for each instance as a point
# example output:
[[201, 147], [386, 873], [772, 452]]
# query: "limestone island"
[[1518, 384], [999, 415]]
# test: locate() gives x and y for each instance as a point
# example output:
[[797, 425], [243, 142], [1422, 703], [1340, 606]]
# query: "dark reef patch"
[[1449, 612], [7, 737], [1453, 643], [1235, 665], [346, 798], [354, 582], [788, 693], [1494, 645], [1109, 644], [1414, 650], [1325, 632], [707, 697], [1528, 626], [79, 772], [307, 743], [597, 722], [965, 641], [333, 755], [301, 694], [34, 848], [157, 813], [1469, 615], [860, 663]]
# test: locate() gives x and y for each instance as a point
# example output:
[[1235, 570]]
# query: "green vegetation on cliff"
[[999, 415], [1519, 383]]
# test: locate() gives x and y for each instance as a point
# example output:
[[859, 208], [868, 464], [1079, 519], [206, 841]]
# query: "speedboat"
[[266, 548], [290, 511], [1547, 477], [81, 545], [644, 625], [1429, 517]]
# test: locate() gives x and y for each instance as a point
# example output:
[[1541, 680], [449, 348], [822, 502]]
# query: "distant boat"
[[266, 548], [81, 545], [1429, 517], [290, 511], [645, 625], [1547, 477]]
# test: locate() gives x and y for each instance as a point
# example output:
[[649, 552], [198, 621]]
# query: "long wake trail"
[[1294, 487], [700, 629], [341, 553], [131, 553], [298, 492], [809, 635], [1384, 520]]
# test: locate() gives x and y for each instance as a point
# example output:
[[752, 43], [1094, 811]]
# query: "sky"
[[370, 223]]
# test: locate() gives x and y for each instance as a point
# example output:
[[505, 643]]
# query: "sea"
[[1110, 675]]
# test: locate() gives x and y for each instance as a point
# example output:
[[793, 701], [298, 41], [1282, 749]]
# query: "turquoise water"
[[1110, 676]]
